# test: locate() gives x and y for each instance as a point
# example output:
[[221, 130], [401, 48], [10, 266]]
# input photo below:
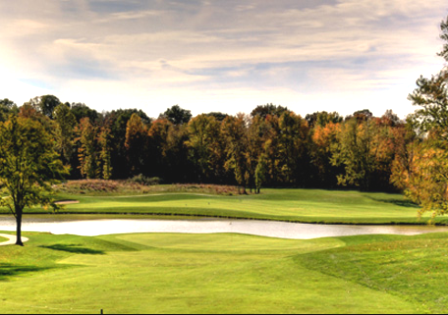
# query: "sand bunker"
[[66, 202]]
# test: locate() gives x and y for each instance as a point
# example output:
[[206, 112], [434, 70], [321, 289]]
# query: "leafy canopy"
[[29, 165]]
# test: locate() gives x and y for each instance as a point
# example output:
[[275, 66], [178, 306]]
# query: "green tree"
[[28, 111], [444, 36], [269, 109], [177, 163], [136, 143], [218, 116], [292, 145], [177, 115], [45, 104], [82, 111], [105, 141], [199, 141], [260, 173], [159, 146], [87, 152], [424, 173], [29, 166], [234, 130], [355, 152], [7, 107], [118, 120], [64, 133], [323, 118]]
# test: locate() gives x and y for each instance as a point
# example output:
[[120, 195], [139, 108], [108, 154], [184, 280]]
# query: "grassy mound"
[[414, 268], [166, 273]]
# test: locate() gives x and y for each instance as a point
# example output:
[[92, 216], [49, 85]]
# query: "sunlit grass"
[[298, 205], [169, 273], [412, 267]]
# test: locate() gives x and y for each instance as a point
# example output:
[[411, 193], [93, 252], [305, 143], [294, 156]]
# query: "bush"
[[147, 181], [99, 186], [139, 185]]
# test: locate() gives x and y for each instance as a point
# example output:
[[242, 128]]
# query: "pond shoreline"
[[285, 230], [111, 215]]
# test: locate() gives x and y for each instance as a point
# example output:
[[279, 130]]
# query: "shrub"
[[143, 180]]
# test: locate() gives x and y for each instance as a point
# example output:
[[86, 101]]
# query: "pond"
[[88, 226]]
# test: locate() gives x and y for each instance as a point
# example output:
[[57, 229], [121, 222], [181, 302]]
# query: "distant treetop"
[[269, 109], [361, 115], [177, 115], [218, 116], [45, 104], [323, 118], [81, 111]]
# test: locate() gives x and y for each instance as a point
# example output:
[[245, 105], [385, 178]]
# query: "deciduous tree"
[[105, 141], [234, 130], [136, 143], [64, 133], [87, 152], [425, 176], [203, 132], [45, 104], [177, 115], [29, 166]]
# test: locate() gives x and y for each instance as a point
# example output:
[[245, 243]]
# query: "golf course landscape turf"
[[231, 273], [225, 273], [295, 205]]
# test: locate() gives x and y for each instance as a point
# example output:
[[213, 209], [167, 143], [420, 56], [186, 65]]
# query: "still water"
[[86, 226]]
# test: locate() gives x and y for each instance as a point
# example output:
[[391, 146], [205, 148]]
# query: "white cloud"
[[228, 55]]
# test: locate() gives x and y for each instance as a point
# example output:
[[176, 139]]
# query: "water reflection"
[[88, 227]]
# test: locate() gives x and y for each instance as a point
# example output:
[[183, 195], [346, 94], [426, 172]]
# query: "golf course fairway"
[[224, 273], [295, 205]]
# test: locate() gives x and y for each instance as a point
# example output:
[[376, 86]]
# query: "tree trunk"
[[19, 228]]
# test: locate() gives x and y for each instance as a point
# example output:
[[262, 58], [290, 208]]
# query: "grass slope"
[[412, 267], [298, 205], [166, 273]]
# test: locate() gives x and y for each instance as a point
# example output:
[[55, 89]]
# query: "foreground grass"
[[167, 273], [297, 205]]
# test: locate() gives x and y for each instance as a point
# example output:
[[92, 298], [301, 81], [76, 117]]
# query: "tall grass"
[[106, 187]]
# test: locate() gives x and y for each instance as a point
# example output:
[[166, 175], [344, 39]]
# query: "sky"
[[220, 55]]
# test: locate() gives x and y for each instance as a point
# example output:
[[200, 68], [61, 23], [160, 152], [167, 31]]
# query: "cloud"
[[212, 53]]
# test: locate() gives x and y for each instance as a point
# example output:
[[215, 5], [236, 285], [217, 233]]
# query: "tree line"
[[271, 147]]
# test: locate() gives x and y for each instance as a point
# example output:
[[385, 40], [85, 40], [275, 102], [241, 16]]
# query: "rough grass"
[[167, 273], [98, 187]]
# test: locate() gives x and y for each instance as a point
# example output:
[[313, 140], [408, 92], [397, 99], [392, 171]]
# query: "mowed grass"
[[225, 273], [2, 239], [297, 205]]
